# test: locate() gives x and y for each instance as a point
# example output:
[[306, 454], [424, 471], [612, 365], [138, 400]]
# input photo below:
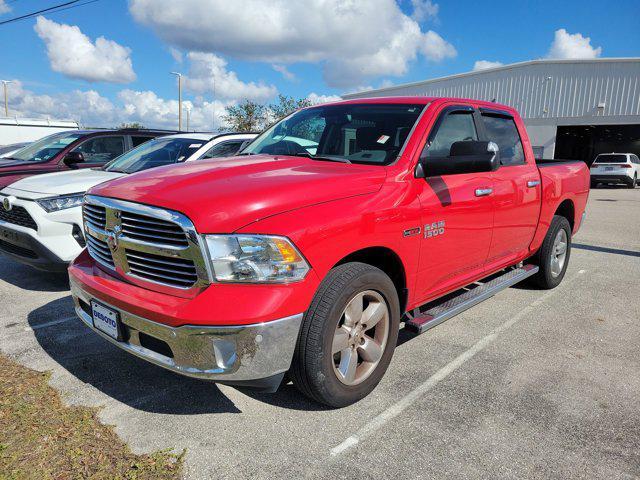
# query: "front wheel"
[[553, 256], [348, 335]]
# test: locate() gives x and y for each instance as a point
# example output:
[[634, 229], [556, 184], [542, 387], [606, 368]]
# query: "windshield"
[[155, 153], [357, 133], [611, 159], [46, 148]]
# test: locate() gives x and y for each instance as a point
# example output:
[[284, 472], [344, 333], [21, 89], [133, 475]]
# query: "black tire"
[[545, 278], [312, 370], [633, 182], [594, 184]]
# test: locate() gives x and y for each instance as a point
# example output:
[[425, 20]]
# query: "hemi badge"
[[411, 231]]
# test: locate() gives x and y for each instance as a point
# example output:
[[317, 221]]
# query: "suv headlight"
[[255, 258], [53, 204]]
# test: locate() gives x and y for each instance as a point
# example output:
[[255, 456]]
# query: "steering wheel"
[[284, 147]]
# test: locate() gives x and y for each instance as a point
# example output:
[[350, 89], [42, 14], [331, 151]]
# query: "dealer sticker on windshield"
[[383, 138], [105, 319]]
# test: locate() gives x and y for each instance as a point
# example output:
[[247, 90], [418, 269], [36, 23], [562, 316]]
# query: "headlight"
[[255, 258], [53, 204]]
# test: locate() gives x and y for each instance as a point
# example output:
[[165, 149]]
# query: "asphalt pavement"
[[529, 384]]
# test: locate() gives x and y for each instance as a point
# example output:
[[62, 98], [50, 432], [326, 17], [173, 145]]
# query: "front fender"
[[328, 232]]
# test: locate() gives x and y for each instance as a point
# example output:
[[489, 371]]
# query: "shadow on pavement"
[[28, 278], [120, 375], [615, 251]]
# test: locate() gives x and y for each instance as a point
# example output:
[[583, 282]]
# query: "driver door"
[[457, 211]]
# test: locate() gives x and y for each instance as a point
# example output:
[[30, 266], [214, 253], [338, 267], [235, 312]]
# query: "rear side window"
[[455, 127], [611, 159], [224, 149], [135, 141], [503, 132], [101, 149]]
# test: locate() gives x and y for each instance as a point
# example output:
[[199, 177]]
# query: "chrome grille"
[[148, 229], [149, 246], [100, 251], [95, 215], [163, 269]]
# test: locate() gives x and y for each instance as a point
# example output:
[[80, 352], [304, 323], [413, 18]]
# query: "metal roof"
[[541, 88]]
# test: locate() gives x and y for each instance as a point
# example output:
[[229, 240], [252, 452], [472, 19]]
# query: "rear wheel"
[[348, 335], [553, 256], [633, 182], [594, 184]]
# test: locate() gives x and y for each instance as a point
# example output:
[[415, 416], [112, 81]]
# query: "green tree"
[[285, 106], [247, 116], [131, 125]]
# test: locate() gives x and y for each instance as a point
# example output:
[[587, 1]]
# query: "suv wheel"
[[594, 184], [553, 256], [348, 335], [633, 182]]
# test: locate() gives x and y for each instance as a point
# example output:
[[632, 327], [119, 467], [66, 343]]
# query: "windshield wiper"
[[327, 158], [247, 153]]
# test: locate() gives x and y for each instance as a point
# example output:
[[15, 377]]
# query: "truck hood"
[[221, 196], [63, 183], [8, 162]]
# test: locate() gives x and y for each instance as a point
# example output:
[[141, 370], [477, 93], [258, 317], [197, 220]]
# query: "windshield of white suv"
[[352, 133], [45, 148], [611, 159], [155, 153]]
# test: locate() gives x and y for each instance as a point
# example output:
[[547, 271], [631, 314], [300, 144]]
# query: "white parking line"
[[379, 421], [49, 324]]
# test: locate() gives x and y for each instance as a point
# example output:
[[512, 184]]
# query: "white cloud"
[[353, 40], [484, 64], [567, 45], [284, 71], [205, 68], [4, 8], [91, 109], [176, 54], [316, 98], [424, 10], [73, 54]]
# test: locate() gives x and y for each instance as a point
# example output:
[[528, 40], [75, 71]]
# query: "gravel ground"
[[528, 384]]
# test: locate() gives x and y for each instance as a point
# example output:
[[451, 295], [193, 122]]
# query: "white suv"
[[615, 168], [41, 216]]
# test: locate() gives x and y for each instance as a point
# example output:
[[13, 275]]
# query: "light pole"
[[6, 101], [179, 75], [188, 116]]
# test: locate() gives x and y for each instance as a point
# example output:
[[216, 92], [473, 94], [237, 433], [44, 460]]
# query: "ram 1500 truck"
[[303, 254]]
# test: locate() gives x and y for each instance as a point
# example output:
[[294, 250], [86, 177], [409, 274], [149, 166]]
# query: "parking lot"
[[528, 384]]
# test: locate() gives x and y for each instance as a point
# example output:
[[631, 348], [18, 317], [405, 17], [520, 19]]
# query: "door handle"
[[483, 192], [533, 183]]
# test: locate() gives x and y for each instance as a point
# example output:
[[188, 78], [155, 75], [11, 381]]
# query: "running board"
[[438, 313]]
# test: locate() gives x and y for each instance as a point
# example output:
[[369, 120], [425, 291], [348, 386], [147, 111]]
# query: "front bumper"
[[22, 245], [236, 355]]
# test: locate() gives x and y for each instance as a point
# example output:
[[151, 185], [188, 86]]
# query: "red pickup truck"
[[305, 253]]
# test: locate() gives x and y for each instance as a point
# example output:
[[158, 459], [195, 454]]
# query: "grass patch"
[[41, 438]]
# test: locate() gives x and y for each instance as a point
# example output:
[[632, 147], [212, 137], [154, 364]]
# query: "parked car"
[[282, 260], [8, 150], [613, 168], [71, 149], [41, 224]]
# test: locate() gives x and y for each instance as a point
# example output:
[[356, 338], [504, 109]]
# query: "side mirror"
[[469, 156], [71, 159]]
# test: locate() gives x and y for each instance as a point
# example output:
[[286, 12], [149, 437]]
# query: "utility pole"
[[6, 101], [214, 104], [179, 75], [188, 116]]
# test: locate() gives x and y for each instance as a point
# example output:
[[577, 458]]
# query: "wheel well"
[[389, 262], [567, 210]]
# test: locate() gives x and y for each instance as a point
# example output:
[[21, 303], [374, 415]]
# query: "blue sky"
[[325, 50]]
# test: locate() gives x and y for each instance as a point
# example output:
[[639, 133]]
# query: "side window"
[[503, 131], [135, 141], [101, 149], [224, 149], [455, 127]]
